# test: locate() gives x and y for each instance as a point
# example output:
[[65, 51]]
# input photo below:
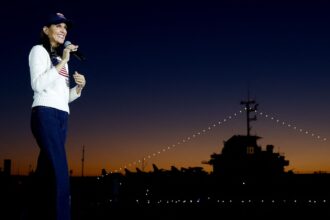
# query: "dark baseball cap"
[[57, 18]]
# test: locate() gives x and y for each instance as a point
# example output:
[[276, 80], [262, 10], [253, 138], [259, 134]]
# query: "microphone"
[[77, 53]]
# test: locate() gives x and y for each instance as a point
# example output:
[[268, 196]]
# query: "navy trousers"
[[52, 187]]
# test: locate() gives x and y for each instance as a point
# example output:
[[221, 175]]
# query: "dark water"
[[167, 197]]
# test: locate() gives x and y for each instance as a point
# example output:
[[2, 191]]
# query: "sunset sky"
[[159, 72]]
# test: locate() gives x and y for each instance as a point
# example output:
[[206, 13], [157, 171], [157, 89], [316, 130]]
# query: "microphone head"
[[67, 43], [77, 54]]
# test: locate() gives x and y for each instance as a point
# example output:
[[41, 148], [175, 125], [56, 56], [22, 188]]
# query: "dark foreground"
[[145, 196]]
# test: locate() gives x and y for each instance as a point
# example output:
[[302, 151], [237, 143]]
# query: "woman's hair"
[[44, 40]]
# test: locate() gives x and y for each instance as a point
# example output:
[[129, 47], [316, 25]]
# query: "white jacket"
[[50, 88]]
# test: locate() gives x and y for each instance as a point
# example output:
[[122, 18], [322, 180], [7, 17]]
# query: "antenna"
[[82, 160], [143, 164], [249, 110]]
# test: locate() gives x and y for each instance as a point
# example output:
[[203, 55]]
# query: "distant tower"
[[82, 161], [250, 109], [7, 167], [143, 164]]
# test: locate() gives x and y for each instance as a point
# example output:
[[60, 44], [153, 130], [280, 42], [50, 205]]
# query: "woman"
[[48, 63]]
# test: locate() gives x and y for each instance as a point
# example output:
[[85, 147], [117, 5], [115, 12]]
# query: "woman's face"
[[56, 33]]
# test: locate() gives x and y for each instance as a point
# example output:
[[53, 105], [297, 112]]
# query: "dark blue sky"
[[157, 71]]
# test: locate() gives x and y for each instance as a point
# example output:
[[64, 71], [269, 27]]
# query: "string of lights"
[[209, 200], [231, 201], [212, 126], [180, 142], [291, 126]]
